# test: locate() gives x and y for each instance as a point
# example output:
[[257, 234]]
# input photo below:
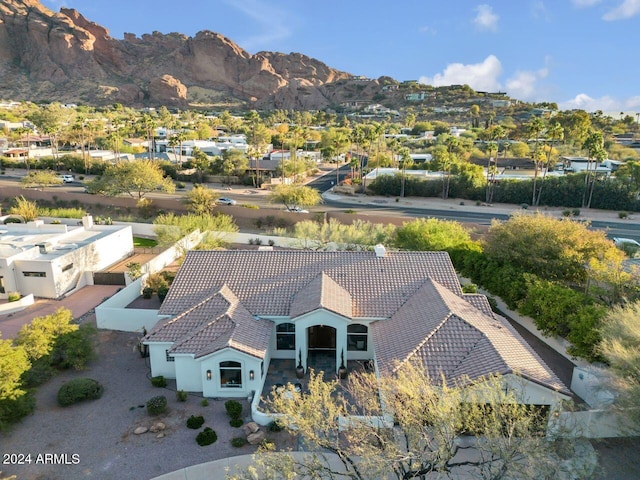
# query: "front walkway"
[[80, 303]]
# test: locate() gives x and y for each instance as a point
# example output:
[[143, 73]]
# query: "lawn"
[[144, 242]]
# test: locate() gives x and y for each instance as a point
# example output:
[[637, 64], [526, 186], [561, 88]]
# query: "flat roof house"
[[228, 314], [49, 260]]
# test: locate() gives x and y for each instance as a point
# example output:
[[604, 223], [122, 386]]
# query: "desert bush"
[[162, 292], [236, 422], [623, 215], [14, 297], [157, 405], [14, 409], [147, 292], [73, 349], [233, 408], [159, 381], [206, 437], [194, 422], [155, 281], [78, 390], [238, 442], [275, 426], [181, 396], [204, 402]]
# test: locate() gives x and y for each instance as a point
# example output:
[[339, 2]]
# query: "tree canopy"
[[295, 196], [136, 179]]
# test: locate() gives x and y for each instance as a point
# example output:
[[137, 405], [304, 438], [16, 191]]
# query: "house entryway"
[[321, 348]]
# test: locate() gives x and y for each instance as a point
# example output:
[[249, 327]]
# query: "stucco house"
[[49, 260], [228, 314]]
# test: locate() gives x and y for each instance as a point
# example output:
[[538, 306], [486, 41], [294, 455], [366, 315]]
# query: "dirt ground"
[[100, 432]]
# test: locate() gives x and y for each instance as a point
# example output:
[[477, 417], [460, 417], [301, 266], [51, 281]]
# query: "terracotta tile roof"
[[456, 339], [266, 282], [322, 292], [218, 321]]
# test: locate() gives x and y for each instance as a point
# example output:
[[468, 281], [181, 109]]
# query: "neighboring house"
[[50, 261], [229, 313], [581, 164]]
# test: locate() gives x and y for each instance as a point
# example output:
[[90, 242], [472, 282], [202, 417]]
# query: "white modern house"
[[50, 261], [229, 314]]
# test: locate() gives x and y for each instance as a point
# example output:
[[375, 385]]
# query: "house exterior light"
[[208, 374]]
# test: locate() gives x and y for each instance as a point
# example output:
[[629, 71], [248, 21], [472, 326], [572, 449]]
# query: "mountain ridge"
[[63, 56]]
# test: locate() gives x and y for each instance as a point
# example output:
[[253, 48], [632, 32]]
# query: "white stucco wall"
[[212, 388], [188, 374], [159, 364]]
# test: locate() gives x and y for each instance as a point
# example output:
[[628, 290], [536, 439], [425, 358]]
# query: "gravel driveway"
[[100, 432]]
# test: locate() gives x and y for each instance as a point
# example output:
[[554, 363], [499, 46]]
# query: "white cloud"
[[605, 103], [539, 11], [627, 9], [485, 19], [585, 3], [428, 29], [272, 21], [479, 76], [523, 84]]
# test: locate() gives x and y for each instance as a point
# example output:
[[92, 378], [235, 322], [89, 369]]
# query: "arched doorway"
[[321, 342]]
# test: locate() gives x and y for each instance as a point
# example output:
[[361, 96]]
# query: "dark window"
[[357, 337], [2, 285], [286, 336], [34, 274], [168, 357], [230, 375], [67, 267]]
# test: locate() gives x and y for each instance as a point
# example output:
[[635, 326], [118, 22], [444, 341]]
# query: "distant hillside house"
[[228, 314]]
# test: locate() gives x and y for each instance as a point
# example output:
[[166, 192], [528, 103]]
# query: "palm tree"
[[535, 128], [594, 145], [555, 133]]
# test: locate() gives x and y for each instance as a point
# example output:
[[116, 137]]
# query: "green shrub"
[[182, 396], [238, 442], [251, 206], [40, 371], [524, 206], [159, 381], [162, 292], [157, 405], [204, 402], [194, 422], [470, 288], [206, 437], [575, 212], [78, 390], [236, 422], [13, 410], [147, 292], [14, 297], [73, 349], [233, 408], [275, 426], [623, 215], [567, 212]]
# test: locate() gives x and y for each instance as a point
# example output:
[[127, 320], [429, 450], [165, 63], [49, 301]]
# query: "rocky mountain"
[[65, 57]]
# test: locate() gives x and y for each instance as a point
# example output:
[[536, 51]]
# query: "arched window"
[[230, 375], [357, 335], [286, 336]]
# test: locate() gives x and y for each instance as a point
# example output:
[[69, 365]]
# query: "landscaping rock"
[[251, 427], [140, 430], [255, 438], [160, 435], [157, 427]]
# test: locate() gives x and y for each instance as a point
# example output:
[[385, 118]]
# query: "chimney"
[[87, 221], [380, 250]]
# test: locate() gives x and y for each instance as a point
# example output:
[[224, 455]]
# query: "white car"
[[630, 246], [67, 178], [297, 210], [226, 201]]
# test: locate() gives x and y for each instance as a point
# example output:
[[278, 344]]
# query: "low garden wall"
[[13, 307]]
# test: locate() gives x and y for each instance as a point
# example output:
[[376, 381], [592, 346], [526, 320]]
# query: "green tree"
[[38, 337], [426, 420], [201, 199], [201, 162], [40, 178], [232, 162], [596, 153], [333, 144], [171, 228], [295, 196], [431, 234], [13, 363], [620, 345], [550, 248], [27, 209], [135, 179]]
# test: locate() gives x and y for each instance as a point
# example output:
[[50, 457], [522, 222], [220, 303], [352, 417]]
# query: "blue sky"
[[578, 53]]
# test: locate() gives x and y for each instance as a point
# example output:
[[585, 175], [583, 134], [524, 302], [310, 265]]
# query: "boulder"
[[140, 430], [255, 438], [250, 427], [157, 427]]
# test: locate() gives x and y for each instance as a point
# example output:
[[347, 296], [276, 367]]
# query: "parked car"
[[630, 246], [297, 210], [226, 201], [67, 178]]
